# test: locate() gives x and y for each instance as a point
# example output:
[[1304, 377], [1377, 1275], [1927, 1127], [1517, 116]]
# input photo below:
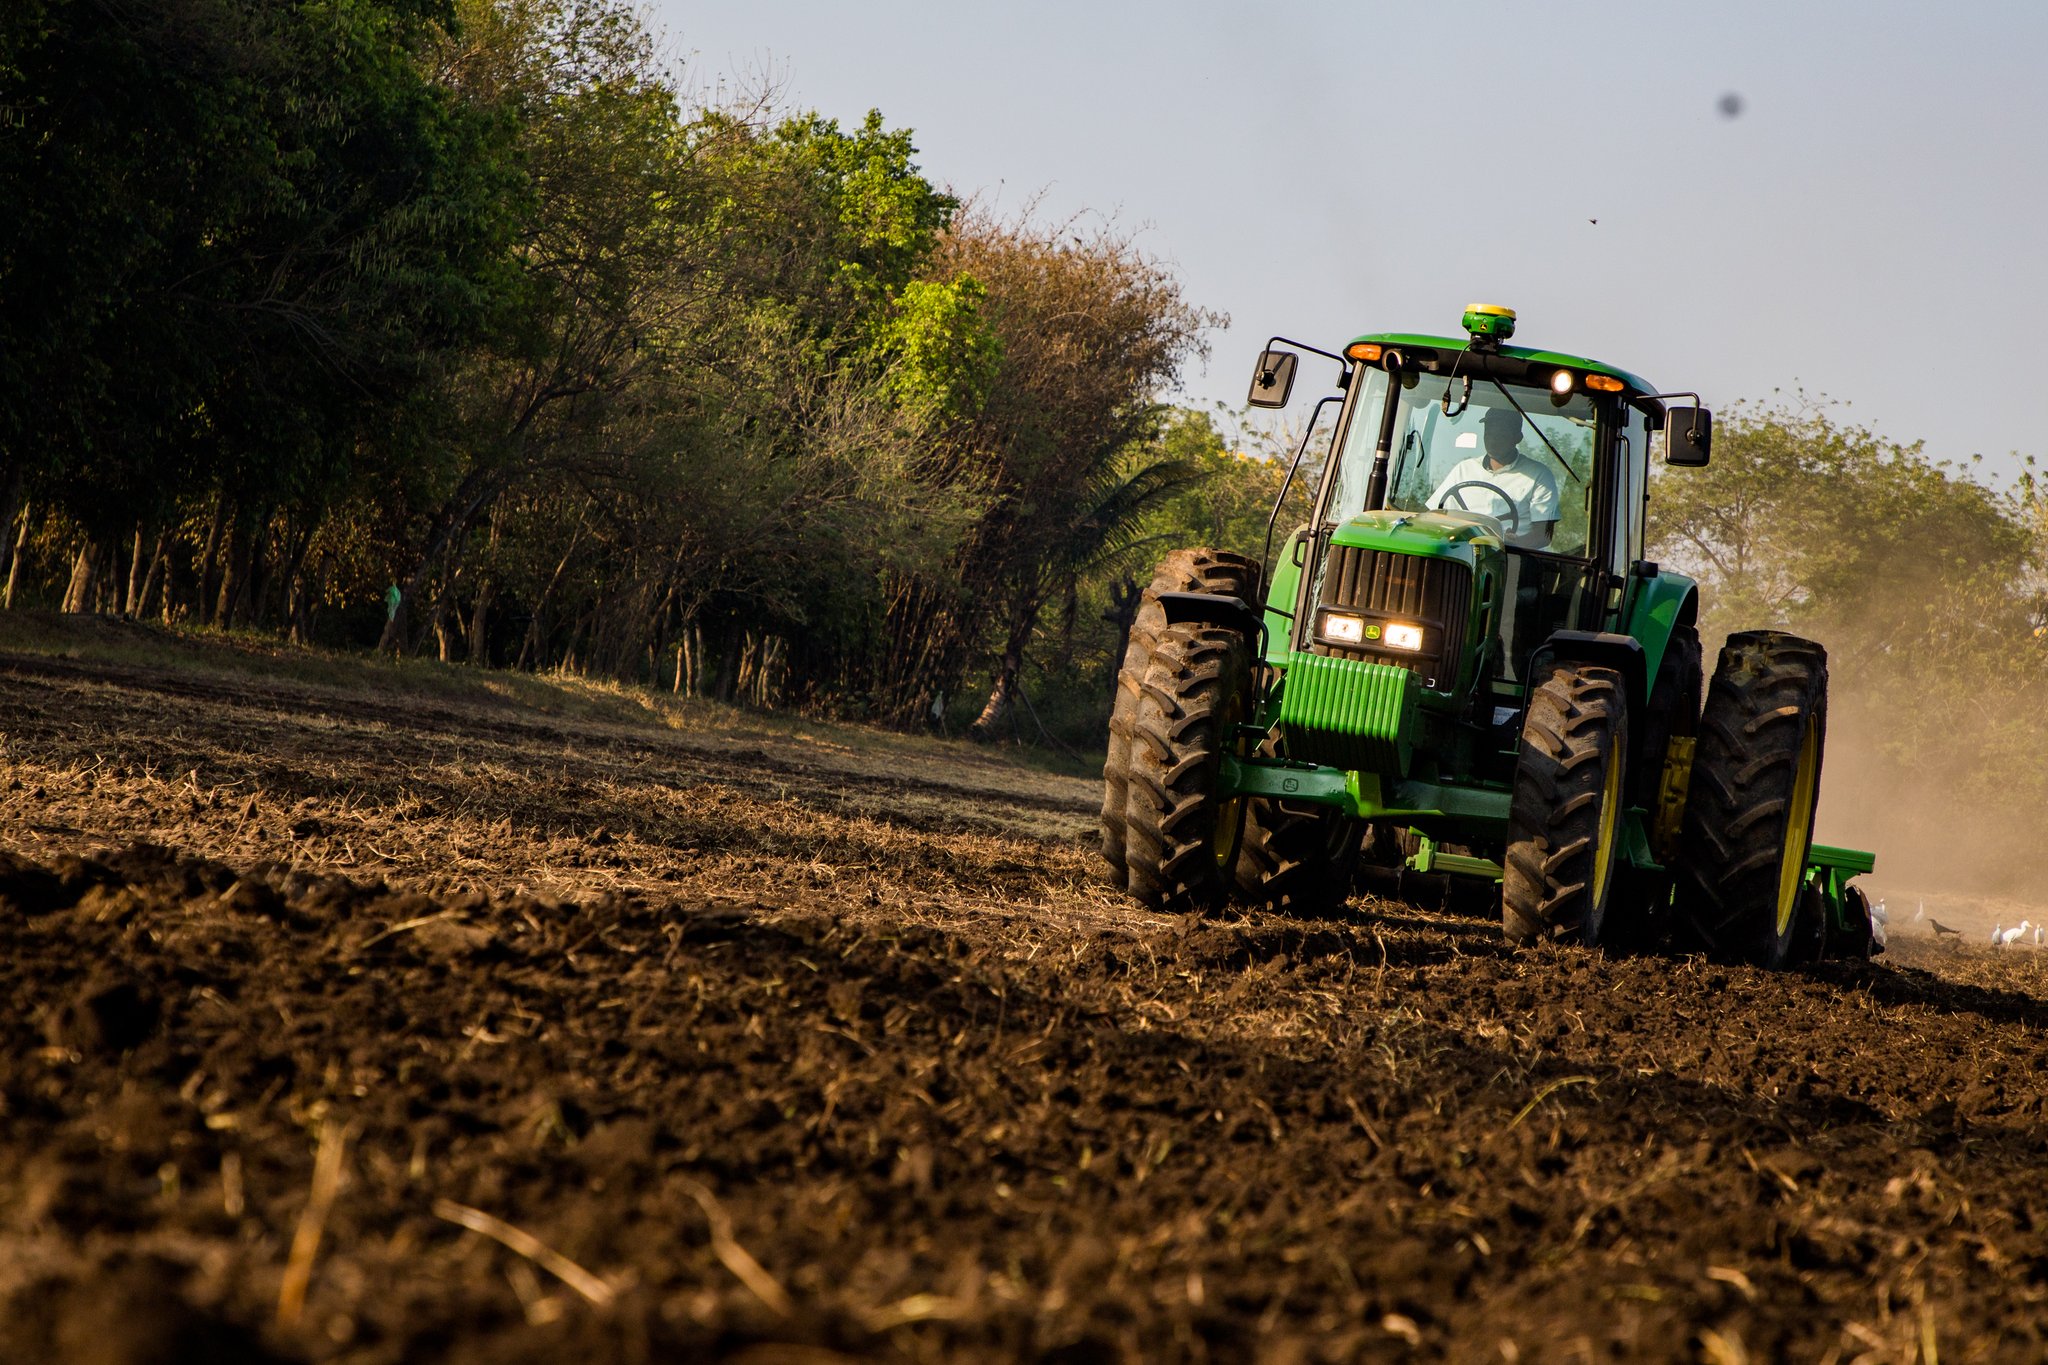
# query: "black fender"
[[1213, 609]]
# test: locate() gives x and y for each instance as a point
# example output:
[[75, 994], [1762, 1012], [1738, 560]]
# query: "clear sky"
[[1868, 227]]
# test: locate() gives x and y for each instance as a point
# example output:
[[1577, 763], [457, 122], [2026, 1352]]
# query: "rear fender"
[[1663, 603]]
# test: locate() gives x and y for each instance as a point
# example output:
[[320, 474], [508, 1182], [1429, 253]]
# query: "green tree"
[[246, 236], [1802, 522], [1090, 330]]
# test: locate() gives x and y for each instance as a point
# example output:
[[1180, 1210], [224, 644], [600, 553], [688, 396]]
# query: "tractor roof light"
[[1363, 350], [1489, 322], [1561, 382], [1604, 383]]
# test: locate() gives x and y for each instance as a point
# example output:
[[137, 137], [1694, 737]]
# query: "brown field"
[[357, 1012]]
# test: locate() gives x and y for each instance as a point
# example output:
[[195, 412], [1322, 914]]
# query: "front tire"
[[1749, 811], [1181, 835], [1299, 860], [1196, 570], [1564, 827]]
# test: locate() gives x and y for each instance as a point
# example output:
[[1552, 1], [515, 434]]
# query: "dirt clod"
[[106, 1014]]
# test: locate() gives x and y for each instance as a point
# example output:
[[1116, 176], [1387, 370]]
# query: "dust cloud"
[[1941, 850]]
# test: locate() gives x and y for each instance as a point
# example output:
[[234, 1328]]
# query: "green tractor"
[[1464, 665]]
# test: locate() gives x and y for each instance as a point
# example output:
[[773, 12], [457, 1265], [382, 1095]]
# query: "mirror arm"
[[1342, 363], [1266, 554], [1698, 403]]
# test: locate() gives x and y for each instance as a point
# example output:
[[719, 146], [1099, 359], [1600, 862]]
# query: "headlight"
[[1347, 630], [1404, 637]]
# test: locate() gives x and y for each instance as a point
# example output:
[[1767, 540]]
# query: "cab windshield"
[[1519, 455]]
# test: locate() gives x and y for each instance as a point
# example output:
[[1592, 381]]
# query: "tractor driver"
[[1504, 472]]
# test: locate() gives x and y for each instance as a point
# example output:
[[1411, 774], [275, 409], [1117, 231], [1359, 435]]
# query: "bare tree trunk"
[[1002, 696], [264, 566], [446, 635], [568, 664], [131, 601], [20, 554], [744, 680], [209, 558], [1124, 600], [234, 578], [727, 686], [153, 580], [14, 560], [480, 623], [12, 505], [284, 576], [536, 627], [106, 596], [924, 656], [78, 596], [299, 608]]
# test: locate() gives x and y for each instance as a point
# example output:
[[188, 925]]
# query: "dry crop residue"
[[346, 1028]]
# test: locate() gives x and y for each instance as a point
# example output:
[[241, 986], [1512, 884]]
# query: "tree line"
[[457, 327]]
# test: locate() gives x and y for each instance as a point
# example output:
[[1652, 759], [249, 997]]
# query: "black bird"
[[1940, 928]]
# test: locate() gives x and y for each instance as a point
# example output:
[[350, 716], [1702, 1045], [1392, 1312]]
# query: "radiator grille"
[[1433, 592]]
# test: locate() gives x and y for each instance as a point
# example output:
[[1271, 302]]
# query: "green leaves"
[[939, 350], [1800, 522]]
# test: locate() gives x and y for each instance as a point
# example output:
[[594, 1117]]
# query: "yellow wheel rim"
[[1610, 823], [1799, 823]]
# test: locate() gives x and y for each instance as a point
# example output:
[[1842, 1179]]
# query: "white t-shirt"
[[1533, 488]]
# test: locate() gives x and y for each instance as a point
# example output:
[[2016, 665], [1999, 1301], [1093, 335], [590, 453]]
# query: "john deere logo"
[[1372, 632]]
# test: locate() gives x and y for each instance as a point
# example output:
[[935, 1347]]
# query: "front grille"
[[1434, 593]]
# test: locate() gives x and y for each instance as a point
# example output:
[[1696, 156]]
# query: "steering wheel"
[[1514, 516]]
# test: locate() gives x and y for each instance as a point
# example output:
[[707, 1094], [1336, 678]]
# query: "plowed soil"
[[341, 1024]]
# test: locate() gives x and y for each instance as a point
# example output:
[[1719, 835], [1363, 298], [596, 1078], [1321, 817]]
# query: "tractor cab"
[[1548, 453]]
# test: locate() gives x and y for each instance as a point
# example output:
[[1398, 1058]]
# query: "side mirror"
[[1688, 437], [1273, 380]]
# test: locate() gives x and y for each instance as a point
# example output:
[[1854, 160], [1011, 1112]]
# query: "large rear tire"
[[1196, 570], [1564, 827], [1749, 810], [1181, 835]]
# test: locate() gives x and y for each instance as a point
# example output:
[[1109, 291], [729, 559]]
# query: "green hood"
[[1442, 535]]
